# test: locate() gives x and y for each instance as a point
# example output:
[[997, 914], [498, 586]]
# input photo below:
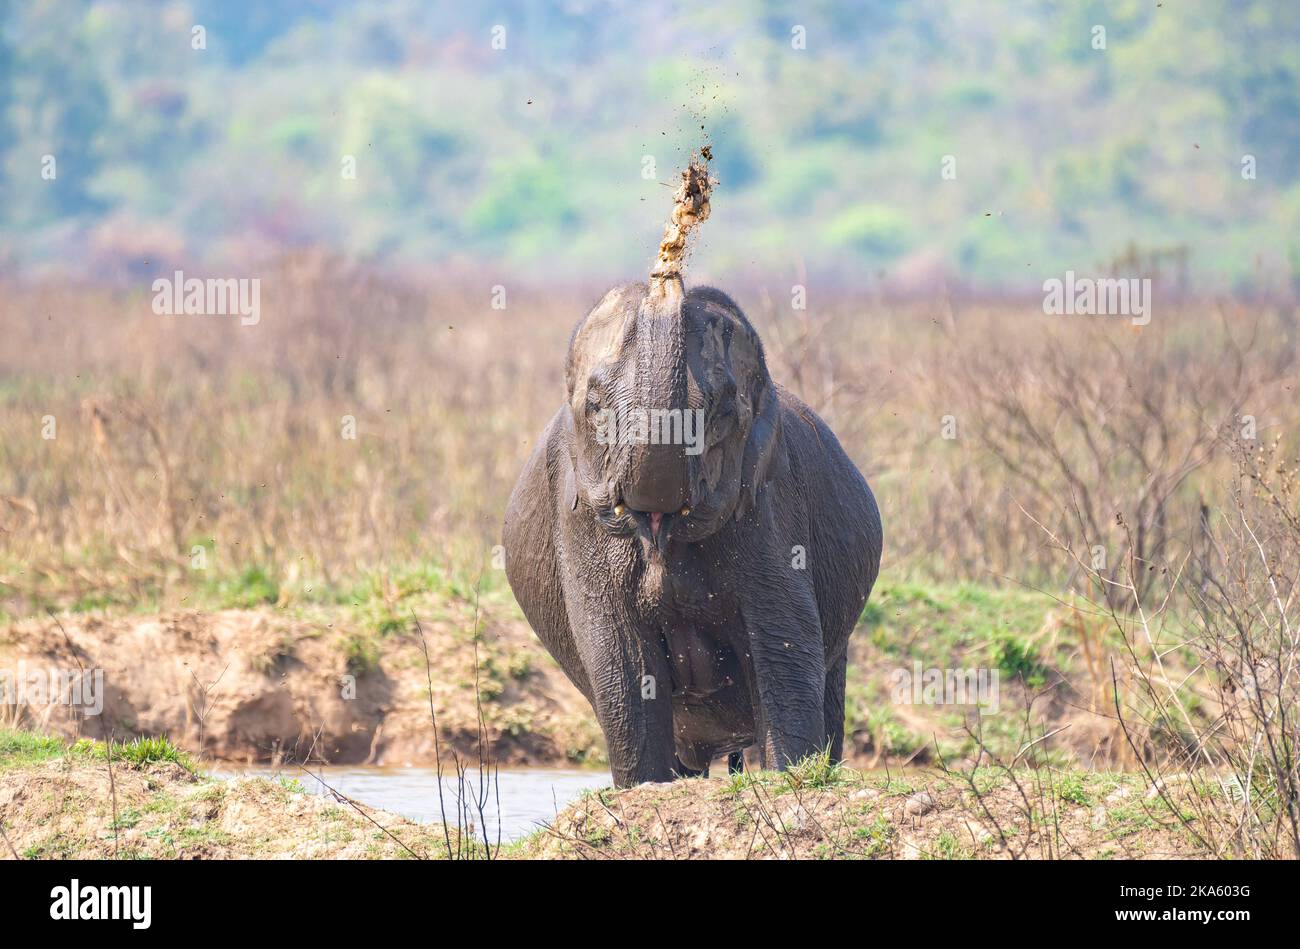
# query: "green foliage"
[[741, 782], [250, 588], [814, 771], [1072, 788], [878, 836], [19, 749], [952, 625], [1018, 660], [361, 653], [522, 194], [948, 847], [874, 230], [23, 748], [151, 750]]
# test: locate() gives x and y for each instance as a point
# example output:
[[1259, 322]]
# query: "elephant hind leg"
[[736, 762], [834, 702]]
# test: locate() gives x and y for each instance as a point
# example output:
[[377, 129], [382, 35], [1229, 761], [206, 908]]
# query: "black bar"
[[318, 897]]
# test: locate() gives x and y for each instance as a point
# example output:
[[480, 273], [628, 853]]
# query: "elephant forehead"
[[603, 336], [603, 340]]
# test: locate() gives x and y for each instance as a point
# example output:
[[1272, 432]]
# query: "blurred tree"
[[532, 152], [62, 110]]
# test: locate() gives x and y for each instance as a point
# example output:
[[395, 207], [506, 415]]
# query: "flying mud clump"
[[690, 209]]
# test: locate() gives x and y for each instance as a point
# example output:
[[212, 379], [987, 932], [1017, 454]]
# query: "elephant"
[[698, 589]]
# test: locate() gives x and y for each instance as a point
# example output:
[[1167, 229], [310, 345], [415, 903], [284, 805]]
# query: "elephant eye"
[[721, 423], [726, 402], [725, 409], [596, 392]]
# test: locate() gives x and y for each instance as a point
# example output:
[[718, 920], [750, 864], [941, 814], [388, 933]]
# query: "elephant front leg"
[[632, 695], [789, 672]]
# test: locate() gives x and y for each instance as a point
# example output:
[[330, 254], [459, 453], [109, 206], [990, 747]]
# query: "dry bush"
[[1079, 422], [1244, 633], [1207, 685], [1098, 433]]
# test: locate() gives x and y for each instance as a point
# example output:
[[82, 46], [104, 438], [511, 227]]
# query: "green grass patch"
[[814, 771], [252, 587], [140, 752], [1072, 788], [25, 749], [948, 847], [1018, 660], [952, 626]]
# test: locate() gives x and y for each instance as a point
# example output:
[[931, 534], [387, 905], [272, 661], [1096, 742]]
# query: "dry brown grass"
[[182, 432], [1212, 667]]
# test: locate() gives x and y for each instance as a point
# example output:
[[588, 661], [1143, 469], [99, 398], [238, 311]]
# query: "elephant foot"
[[685, 772], [736, 762]]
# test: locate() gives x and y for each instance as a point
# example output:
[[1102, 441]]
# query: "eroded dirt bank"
[[260, 685], [348, 683]]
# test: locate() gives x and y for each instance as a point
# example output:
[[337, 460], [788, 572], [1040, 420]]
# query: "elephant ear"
[[568, 477], [729, 336], [570, 487], [764, 458]]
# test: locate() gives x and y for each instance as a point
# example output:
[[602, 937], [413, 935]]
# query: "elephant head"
[[672, 418]]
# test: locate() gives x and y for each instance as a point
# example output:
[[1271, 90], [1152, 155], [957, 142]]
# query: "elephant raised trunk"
[[690, 209], [658, 471]]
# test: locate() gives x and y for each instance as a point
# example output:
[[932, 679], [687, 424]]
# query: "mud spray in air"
[[690, 209]]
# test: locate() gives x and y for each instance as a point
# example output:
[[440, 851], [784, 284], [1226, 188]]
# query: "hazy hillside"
[[532, 157]]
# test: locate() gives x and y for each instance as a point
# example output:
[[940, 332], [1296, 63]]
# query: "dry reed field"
[[973, 421]]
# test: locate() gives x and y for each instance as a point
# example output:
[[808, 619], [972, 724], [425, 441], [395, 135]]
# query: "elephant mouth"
[[655, 520], [658, 528], [657, 525]]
